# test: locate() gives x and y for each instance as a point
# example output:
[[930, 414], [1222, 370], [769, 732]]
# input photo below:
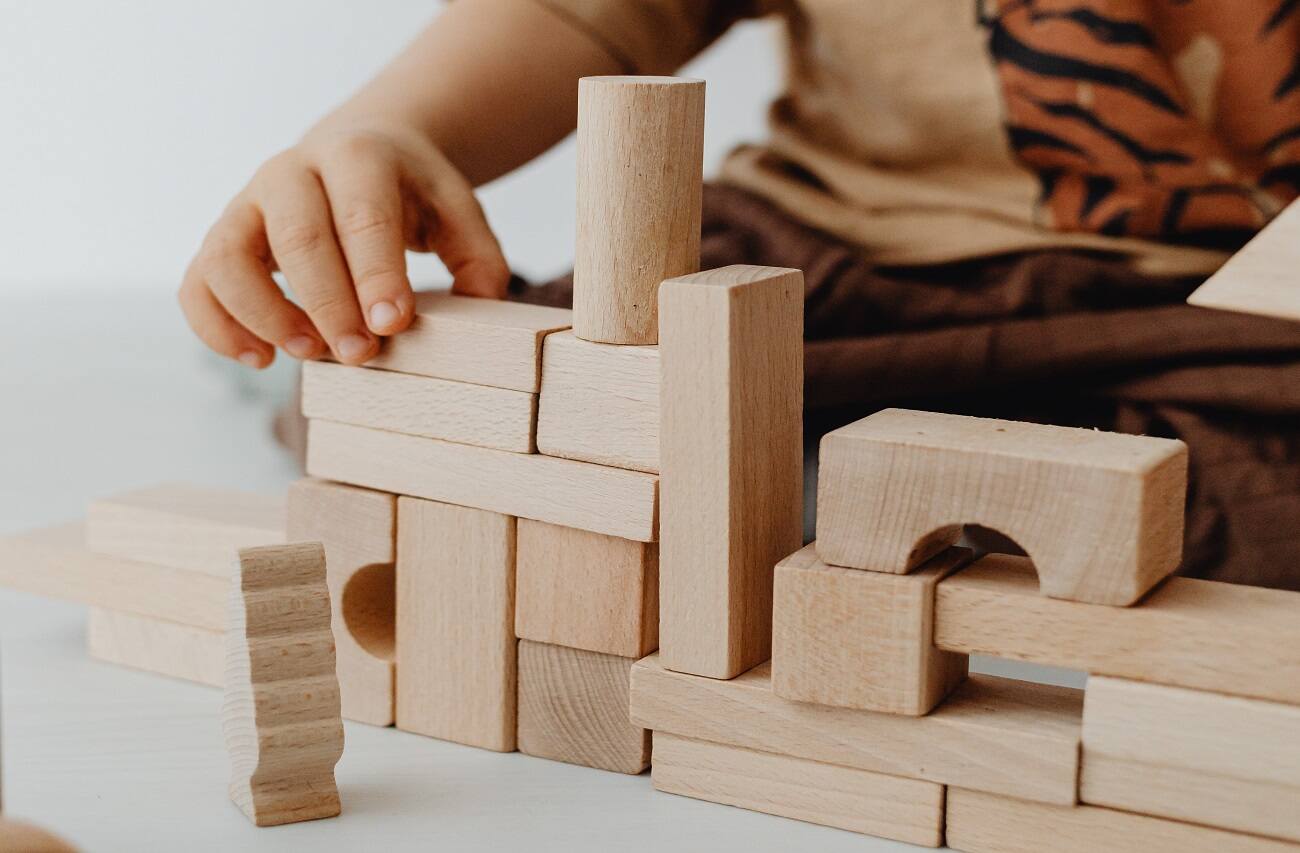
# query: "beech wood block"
[[640, 178], [1013, 737], [281, 716], [987, 823], [21, 837], [455, 623], [358, 528], [468, 339], [156, 645], [731, 461], [599, 403], [1220, 760], [1100, 514], [586, 590], [1190, 633], [857, 800], [1262, 278], [184, 526], [573, 708], [858, 639], [558, 491], [420, 405]]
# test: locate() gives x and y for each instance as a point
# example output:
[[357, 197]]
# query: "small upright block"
[[1100, 514], [1262, 277], [281, 715], [858, 639]]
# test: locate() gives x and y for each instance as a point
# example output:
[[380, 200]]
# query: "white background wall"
[[125, 127]]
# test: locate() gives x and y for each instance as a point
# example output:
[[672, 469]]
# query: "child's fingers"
[[216, 328], [464, 240]]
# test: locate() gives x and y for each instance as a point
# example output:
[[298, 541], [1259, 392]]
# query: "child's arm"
[[487, 86]]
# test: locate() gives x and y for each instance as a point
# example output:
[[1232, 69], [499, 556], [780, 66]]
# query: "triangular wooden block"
[[1264, 277]]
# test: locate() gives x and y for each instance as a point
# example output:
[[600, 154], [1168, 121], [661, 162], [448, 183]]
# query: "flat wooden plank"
[[157, 646], [731, 458], [857, 800], [559, 491], [1191, 633], [997, 734], [1262, 278], [599, 403], [420, 405], [467, 339], [455, 624]]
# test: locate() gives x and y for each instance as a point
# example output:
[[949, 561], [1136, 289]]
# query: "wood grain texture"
[[21, 837], [987, 823], [858, 639], [573, 708], [599, 403], [455, 624], [640, 177], [184, 526], [857, 800], [467, 339], [1191, 633], [1262, 278], [558, 491], [1012, 737], [420, 405], [281, 717], [731, 461], [1100, 514], [358, 529], [1225, 761], [156, 645], [586, 590]]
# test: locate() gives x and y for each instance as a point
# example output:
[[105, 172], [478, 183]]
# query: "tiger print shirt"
[[938, 130]]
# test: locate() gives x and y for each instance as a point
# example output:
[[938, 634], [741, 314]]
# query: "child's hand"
[[335, 214]]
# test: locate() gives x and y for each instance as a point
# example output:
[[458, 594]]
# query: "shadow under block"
[[978, 822], [599, 403], [731, 448], [573, 708], [857, 800], [1190, 633], [156, 645], [419, 405], [358, 528], [1262, 277], [1201, 757], [455, 623], [640, 175], [281, 716], [996, 734], [22, 837], [858, 639], [468, 339], [1100, 514], [586, 590], [558, 491]]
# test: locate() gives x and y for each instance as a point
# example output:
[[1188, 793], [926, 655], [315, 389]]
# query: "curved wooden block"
[[21, 837], [1100, 514]]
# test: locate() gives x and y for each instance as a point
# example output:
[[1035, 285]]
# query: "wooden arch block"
[[1099, 513]]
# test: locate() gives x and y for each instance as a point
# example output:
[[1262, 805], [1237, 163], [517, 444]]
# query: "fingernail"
[[251, 358], [351, 347], [383, 315], [300, 346]]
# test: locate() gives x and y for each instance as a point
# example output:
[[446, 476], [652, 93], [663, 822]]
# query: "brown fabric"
[[1056, 337]]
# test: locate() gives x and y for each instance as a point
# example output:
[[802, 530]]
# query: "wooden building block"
[[1100, 514], [858, 639], [455, 623], [1013, 737], [573, 708], [184, 526], [281, 714], [1264, 277], [467, 339], [586, 590], [640, 173], [731, 459], [857, 800], [358, 528], [420, 405], [156, 645], [21, 837], [988, 823], [599, 403], [1219, 760], [558, 491], [1191, 633]]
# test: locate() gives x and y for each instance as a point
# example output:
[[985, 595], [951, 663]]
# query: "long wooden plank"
[[559, 491], [1262, 278], [156, 645]]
